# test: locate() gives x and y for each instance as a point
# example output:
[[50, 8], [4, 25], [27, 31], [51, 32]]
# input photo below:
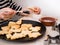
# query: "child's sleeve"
[[4, 3], [9, 3], [14, 6]]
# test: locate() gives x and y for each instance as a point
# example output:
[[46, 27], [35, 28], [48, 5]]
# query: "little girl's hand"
[[7, 13], [36, 10]]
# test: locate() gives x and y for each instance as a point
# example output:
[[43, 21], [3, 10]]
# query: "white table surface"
[[37, 42]]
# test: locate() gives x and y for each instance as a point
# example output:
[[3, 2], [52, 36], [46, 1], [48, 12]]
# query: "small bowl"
[[48, 21]]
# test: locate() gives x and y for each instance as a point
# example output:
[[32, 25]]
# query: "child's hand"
[[36, 10], [7, 13]]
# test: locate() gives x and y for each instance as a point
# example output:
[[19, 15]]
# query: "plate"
[[26, 39]]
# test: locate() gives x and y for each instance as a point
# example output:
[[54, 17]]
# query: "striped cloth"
[[9, 3]]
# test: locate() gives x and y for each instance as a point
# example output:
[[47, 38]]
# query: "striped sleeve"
[[14, 6], [9, 3], [4, 3]]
